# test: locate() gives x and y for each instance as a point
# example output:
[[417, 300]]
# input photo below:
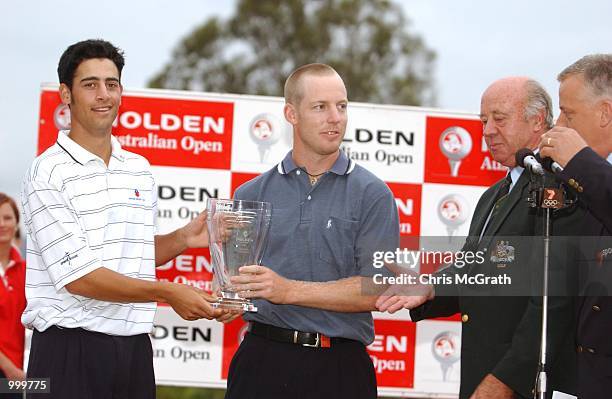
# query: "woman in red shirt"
[[12, 293]]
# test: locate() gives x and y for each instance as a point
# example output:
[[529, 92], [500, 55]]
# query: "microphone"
[[551, 165], [525, 158]]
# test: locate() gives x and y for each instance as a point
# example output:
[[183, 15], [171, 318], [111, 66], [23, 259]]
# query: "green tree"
[[188, 393], [367, 41]]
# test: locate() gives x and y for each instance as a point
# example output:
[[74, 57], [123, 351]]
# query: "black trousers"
[[265, 369], [90, 365]]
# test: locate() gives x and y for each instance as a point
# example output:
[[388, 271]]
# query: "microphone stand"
[[541, 381], [541, 195], [547, 199]]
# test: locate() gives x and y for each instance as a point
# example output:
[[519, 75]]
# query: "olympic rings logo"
[[550, 203]]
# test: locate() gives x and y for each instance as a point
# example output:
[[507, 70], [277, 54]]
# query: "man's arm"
[[594, 175], [405, 296], [590, 173], [193, 235], [440, 299], [353, 294], [345, 295], [425, 301], [106, 285]]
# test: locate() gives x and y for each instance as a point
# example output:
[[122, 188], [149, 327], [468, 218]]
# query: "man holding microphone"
[[582, 138], [580, 143]]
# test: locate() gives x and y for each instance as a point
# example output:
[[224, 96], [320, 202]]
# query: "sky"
[[477, 42]]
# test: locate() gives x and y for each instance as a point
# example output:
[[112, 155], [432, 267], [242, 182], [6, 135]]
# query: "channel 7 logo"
[[552, 198]]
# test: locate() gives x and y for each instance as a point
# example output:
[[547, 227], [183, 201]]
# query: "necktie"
[[500, 198]]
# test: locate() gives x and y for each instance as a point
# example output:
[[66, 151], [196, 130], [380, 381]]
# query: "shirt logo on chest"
[[136, 196]]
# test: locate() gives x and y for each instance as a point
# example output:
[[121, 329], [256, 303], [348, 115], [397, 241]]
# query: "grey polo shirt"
[[321, 233]]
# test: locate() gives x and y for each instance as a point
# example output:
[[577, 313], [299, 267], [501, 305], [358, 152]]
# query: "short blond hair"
[[293, 91]]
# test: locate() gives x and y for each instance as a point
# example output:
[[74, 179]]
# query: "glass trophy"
[[237, 232]]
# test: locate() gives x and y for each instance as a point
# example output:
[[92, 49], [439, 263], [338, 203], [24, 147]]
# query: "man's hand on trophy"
[[261, 282], [192, 303], [195, 233], [230, 314], [226, 315], [404, 296]]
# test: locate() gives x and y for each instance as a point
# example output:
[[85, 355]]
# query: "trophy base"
[[235, 304]]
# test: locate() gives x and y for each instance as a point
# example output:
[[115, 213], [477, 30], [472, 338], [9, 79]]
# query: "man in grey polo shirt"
[[329, 215]]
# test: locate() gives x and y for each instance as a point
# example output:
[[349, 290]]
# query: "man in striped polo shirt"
[[90, 210]]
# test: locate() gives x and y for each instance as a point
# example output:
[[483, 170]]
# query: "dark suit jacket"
[[591, 176], [501, 326]]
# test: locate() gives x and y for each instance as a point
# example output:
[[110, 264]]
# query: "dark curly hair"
[[85, 50]]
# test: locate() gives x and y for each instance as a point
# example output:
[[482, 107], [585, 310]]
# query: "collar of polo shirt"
[[80, 154], [342, 166]]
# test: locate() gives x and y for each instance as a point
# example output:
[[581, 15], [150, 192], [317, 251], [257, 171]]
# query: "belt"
[[313, 340]]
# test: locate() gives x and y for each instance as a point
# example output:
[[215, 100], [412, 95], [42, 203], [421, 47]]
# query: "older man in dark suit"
[[501, 326], [580, 143]]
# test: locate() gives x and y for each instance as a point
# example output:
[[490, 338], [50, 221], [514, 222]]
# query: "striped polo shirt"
[[81, 214]]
